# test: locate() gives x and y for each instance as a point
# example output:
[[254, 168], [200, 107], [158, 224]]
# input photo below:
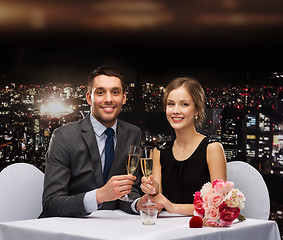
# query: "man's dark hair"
[[108, 71]]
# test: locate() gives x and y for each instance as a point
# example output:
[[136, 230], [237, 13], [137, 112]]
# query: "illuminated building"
[[247, 135], [212, 124], [277, 146], [231, 132]]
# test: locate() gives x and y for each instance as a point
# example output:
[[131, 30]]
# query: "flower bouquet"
[[219, 204]]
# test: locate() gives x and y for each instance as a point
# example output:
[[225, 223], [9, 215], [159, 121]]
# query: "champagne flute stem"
[[149, 202]]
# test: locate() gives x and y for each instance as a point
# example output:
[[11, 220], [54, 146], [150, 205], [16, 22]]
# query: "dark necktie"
[[109, 152]]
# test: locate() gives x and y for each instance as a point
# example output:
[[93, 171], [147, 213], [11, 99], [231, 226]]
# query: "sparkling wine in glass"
[[146, 162], [132, 164]]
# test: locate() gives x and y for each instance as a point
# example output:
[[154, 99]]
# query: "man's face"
[[106, 99]]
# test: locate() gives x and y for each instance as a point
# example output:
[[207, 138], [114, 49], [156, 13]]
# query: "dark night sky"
[[72, 62], [214, 55]]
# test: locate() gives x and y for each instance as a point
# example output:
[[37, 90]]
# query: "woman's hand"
[[141, 204], [149, 185], [160, 199]]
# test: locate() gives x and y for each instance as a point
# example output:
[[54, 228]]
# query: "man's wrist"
[[99, 196], [138, 205]]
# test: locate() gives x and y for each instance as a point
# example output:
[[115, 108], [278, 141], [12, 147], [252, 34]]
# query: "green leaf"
[[241, 218]]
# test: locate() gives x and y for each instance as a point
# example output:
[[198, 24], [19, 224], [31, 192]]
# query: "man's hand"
[[116, 187]]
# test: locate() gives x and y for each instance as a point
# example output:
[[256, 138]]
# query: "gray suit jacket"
[[73, 167]]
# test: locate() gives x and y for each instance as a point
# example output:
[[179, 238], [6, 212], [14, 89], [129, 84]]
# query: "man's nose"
[[108, 97]]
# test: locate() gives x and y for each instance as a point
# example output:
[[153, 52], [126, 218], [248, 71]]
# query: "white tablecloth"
[[119, 225]]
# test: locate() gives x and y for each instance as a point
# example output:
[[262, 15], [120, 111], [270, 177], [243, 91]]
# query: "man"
[[76, 158]]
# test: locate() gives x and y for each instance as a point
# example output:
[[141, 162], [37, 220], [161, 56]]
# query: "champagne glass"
[[132, 164], [146, 161]]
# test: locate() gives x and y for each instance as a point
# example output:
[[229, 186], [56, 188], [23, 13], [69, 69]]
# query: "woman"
[[181, 167]]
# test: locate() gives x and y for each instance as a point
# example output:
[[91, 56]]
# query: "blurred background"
[[229, 20], [161, 39]]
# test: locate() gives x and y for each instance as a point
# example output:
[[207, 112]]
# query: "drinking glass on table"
[[146, 160], [132, 164]]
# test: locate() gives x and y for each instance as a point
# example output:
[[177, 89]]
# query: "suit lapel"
[[90, 139]]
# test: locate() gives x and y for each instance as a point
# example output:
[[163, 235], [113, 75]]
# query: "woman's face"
[[180, 108]]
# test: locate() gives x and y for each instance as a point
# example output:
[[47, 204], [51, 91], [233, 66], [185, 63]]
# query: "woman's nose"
[[176, 109]]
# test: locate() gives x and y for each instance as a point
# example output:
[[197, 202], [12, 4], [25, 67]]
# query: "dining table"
[[119, 225]]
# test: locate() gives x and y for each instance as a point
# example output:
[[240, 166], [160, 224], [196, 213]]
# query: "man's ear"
[[124, 98], [88, 98]]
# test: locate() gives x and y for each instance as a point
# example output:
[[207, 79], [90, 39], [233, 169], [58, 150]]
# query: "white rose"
[[235, 198]]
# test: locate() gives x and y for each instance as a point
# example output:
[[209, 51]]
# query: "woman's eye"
[[170, 104]]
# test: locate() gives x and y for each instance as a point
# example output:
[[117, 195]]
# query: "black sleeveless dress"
[[181, 179]]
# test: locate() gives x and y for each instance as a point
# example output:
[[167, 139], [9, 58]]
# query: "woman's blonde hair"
[[196, 91]]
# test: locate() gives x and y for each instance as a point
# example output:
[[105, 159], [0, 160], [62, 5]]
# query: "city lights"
[[55, 108]]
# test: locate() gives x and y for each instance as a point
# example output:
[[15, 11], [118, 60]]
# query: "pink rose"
[[198, 203], [228, 187], [197, 195], [221, 186], [206, 190], [217, 182], [212, 213], [215, 199], [228, 214]]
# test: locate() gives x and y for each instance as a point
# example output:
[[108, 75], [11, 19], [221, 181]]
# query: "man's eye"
[[99, 92]]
